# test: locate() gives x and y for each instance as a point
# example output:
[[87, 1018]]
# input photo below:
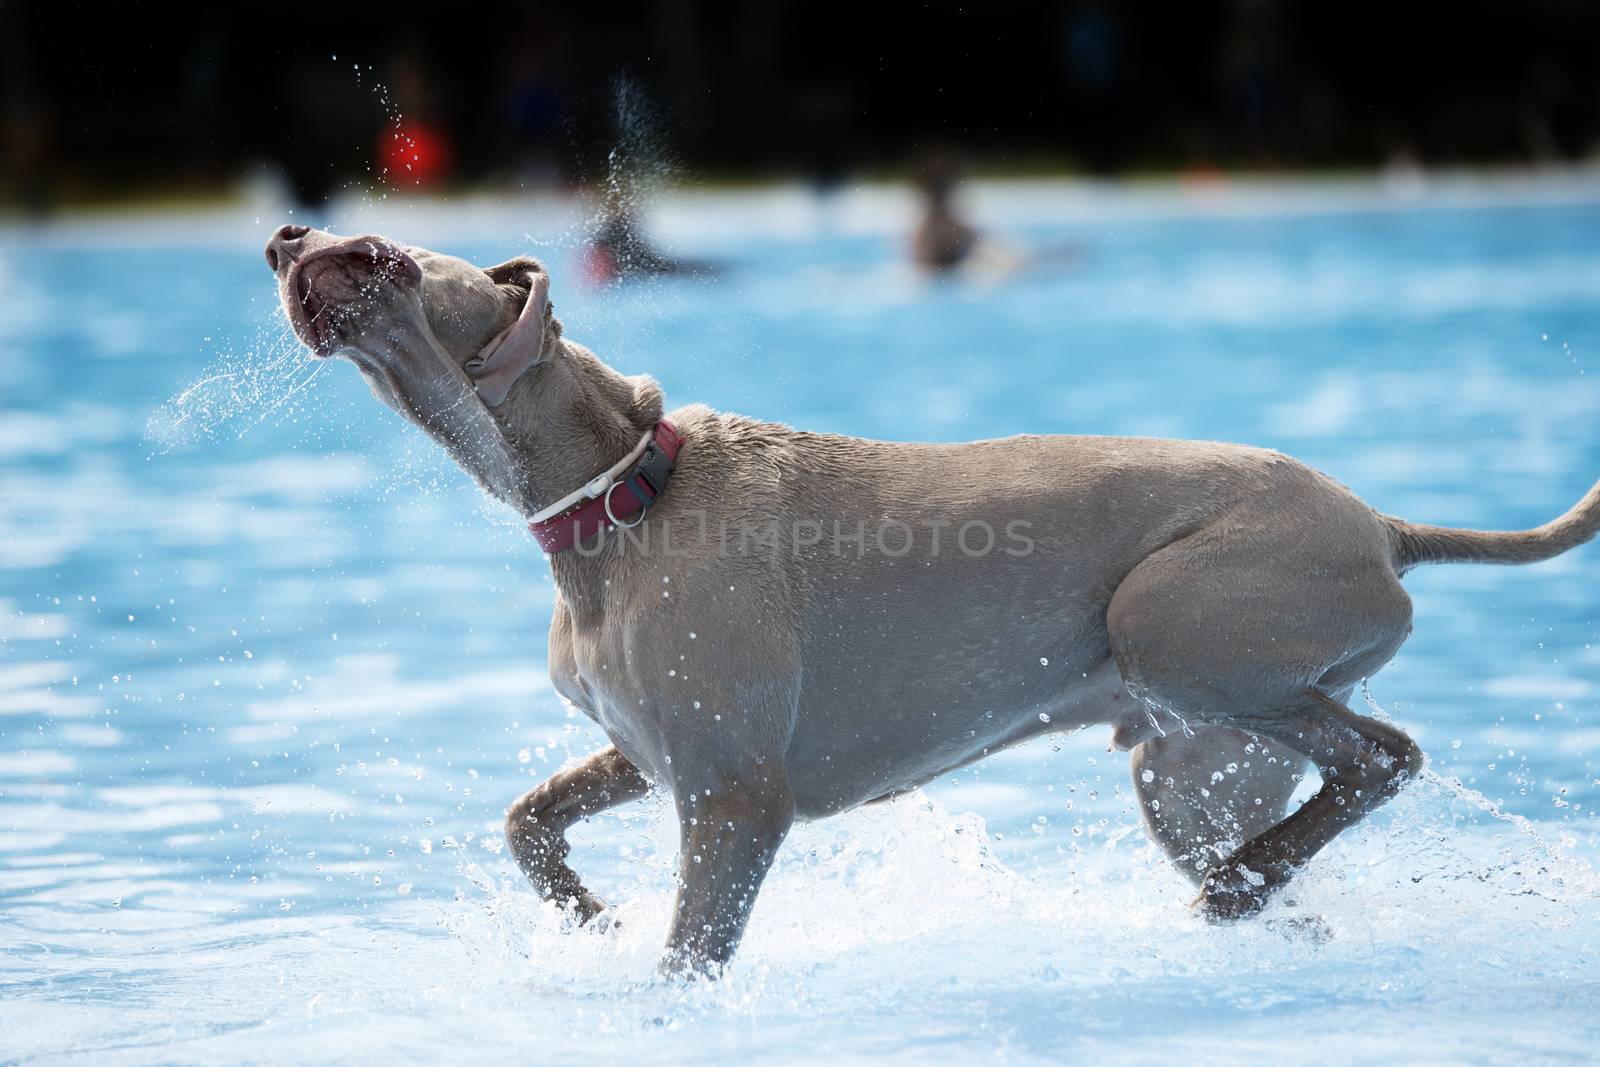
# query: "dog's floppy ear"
[[519, 346]]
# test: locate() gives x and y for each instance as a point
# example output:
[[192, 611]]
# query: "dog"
[[778, 625]]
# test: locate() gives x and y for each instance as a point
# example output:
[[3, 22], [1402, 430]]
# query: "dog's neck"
[[571, 417], [564, 421], [567, 420], [409, 371]]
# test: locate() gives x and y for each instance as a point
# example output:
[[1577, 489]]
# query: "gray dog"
[[794, 624]]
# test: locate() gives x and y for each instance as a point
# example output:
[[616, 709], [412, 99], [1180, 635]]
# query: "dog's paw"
[[585, 907], [604, 923], [1232, 891]]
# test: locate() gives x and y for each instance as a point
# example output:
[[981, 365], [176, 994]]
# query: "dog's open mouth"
[[330, 290]]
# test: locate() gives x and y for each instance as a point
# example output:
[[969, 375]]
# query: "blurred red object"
[[415, 153], [598, 264]]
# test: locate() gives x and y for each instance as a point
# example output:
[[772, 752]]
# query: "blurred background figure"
[[945, 243], [618, 251], [942, 240], [638, 162]]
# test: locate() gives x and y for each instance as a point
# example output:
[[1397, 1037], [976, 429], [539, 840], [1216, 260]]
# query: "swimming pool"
[[271, 668]]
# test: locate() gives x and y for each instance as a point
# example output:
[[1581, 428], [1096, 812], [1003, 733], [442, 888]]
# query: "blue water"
[[271, 669]]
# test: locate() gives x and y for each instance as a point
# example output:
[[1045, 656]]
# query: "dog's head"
[[438, 340], [472, 355], [361, 297]]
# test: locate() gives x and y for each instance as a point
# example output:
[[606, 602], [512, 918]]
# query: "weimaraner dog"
[[793, 624]]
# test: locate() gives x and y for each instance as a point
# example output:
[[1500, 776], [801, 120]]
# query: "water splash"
[[640, 161], [238, 391]]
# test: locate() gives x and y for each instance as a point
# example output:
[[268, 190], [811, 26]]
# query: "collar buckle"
[[643, 473]]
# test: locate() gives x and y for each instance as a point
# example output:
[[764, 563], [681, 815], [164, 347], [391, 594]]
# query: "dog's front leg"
[[536, 825], [728, 837]]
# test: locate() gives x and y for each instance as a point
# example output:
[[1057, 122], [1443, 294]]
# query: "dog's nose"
[[277, 247]]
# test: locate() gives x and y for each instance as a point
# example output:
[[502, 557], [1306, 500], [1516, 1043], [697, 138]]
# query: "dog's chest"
[[594, 676]]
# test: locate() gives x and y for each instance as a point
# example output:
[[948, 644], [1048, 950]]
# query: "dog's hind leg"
[[1363, 763], [1252, 627], [1206, 792], [537, 824]]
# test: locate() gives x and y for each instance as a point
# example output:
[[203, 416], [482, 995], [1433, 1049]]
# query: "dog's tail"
[[1416, 543]]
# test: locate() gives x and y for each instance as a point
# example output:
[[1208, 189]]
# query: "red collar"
[[609, 500]]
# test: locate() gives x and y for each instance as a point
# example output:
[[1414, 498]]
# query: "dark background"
[[142, 100]]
